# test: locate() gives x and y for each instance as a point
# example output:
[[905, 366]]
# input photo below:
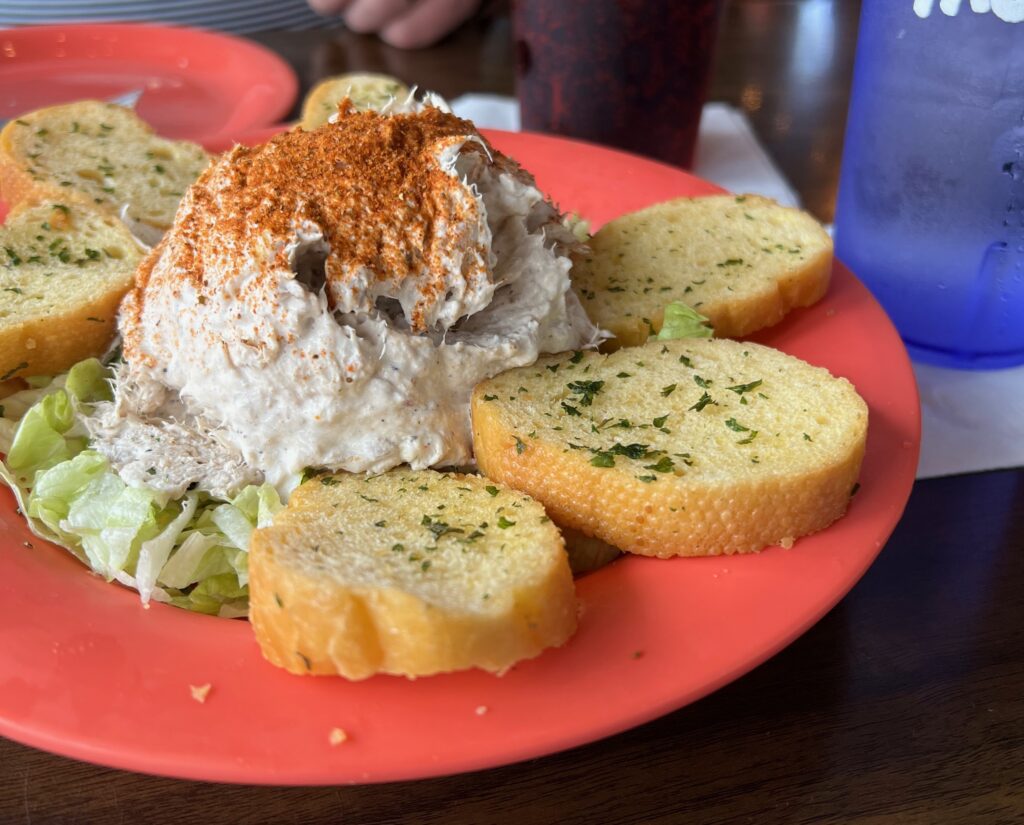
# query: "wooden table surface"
[[905, 704]]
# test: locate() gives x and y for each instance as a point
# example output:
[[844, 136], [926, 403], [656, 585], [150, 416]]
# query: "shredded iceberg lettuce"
[[579, 226], [191, 552], [682, 321]]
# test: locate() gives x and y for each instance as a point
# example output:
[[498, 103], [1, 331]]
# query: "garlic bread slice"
[[409, 573], [101, 155], [677, 448], [742, 261], [63, 271]]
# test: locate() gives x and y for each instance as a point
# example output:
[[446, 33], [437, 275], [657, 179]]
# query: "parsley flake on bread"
[[676, 448], [409, 573], [742, 261]]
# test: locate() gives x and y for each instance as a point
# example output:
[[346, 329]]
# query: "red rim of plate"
[[86, 672], [198, 83]]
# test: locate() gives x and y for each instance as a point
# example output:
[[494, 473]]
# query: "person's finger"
[[426, 22], [329, 6], [366, 16]]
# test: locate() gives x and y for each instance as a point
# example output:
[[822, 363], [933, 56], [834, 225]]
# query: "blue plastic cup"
[[930, 212]]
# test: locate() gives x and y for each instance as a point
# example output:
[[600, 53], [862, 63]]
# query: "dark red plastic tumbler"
[[626, 73]]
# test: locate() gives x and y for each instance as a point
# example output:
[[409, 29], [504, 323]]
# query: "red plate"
[[85, 671], [195, 84]]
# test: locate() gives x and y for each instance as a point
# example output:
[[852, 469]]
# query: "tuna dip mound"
[[329, 299]]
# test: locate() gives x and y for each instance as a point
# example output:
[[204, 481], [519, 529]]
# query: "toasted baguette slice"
[[98, 154], [63, 271], [741, 261], [682, 448], [366, 91], [408, 573]]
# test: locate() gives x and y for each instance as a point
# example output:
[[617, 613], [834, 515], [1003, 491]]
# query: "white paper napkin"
[[970, 421]]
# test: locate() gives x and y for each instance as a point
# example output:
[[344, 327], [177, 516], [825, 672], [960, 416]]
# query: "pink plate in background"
[[85, 671], [195, 84]]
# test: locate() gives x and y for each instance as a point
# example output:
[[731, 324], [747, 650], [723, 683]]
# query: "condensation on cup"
[[930, 212]]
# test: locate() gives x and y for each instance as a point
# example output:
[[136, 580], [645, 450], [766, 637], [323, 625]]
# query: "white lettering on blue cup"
[[1009, 11]]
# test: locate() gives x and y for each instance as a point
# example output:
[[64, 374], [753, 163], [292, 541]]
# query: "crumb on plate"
[[200, 692]]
